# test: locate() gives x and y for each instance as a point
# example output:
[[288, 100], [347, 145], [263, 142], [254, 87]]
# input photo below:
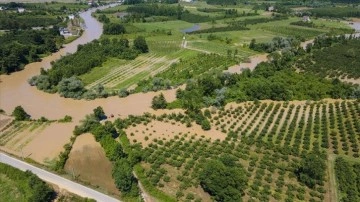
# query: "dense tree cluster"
[[12, 21], [275, 81], [32, 187], [114, 29], [156, 10], [131, 2], [159, 102], [20, 114], [348, 178], [140, 44], [18, 48], [277, 43], [171, 11], [335, 12], [222, 2], [312, 170], [223, 182]]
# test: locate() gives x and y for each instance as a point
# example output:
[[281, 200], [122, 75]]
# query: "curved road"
[[57, 180]]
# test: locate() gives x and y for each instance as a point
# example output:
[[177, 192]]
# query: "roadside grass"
[[12, 191]]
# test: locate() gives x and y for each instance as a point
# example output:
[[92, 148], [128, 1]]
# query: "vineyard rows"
[[19, 134], [143, 66]]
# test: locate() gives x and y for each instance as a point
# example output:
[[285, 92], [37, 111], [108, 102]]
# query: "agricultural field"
[[268, 139], [184, 66], [26, 139], [86, 158], [168, 44]]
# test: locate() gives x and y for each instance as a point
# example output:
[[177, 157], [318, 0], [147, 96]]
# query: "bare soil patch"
[[167, 130], [4, 121], [254, 61], [88, 163], [48, 143]]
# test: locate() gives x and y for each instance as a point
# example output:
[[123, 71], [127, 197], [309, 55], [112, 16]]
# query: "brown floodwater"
[[15, 90]]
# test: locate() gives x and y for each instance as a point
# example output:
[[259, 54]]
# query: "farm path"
[[57, 180], [332, 177], [184, 45]]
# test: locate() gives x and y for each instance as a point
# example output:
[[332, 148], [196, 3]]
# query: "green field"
[[17, 185]]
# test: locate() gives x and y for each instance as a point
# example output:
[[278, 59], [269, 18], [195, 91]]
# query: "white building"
[[306, 18], [21, 10], [71, 17], [271, 9]]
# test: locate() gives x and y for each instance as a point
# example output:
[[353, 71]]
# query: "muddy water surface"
[[14, 89]]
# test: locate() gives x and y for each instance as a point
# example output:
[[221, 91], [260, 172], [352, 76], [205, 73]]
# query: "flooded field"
[[86, 158]]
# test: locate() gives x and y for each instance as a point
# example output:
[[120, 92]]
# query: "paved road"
[[57, 180]]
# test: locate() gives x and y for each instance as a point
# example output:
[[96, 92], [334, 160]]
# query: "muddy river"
[[15, 90]]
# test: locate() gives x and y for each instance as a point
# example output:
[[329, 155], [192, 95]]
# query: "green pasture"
[[284, 28], [12, 191], [98, 72], [175, 26], [220, 48]]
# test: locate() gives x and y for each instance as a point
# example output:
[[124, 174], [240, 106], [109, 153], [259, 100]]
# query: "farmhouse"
[[64, 31], [306, 18], [21, 10]]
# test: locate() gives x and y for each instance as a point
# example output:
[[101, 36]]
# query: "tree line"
[[11, 21], [20, 47]]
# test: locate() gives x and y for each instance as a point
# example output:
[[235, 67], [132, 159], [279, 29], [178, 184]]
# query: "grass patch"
[[98, 72]]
